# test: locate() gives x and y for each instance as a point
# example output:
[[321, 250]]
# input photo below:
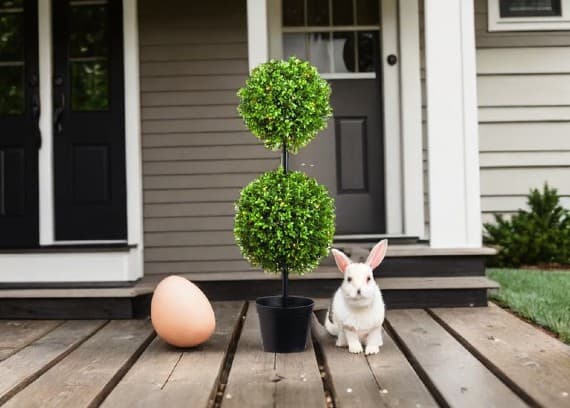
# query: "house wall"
[[524, 113], [196, 152]]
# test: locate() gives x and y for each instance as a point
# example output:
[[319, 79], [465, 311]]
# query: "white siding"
[[524, 114]]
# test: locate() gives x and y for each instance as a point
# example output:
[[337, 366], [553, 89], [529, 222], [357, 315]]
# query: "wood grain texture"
[[25, 366], [167, 376], [17, 334], [533, 361], [260, 379], [87, 374], [383, 380], [453, 373]]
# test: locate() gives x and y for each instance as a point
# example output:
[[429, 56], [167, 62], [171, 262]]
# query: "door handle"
[[36, 112], [58, 115]]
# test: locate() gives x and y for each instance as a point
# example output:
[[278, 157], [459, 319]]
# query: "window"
[[339, 37], [528, 15]]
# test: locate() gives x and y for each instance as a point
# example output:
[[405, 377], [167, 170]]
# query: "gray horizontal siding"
[[524, 114], [197, 154]]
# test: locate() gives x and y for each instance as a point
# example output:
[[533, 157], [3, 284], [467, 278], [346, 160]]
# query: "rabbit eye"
[[349, 279], [368, 279]]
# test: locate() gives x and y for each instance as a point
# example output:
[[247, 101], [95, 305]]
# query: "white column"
[[411, 114], [455, 216], [257, 32]]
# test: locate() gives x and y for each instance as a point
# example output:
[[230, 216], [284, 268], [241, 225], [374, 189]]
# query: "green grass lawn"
[[540, 296]]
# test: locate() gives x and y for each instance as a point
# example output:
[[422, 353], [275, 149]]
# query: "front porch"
[[482, 357]]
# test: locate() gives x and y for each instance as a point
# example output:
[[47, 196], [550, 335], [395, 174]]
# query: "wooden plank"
[[191, 195], [208, 67], [524, 114], [382, 380], [256, 151], [17, 334], [86, 375], [152, 53], [259, 379], [527, 90], [24, 367], [210, 167], [533, 362], [167, 376], [531, 60], [524, 159], [193, 83], [193, 125], [197, 139], [178, 98], [453, 374], [198, 181], [192, 209], [519, 181], [189, 112], [508, 137], [223, 223]]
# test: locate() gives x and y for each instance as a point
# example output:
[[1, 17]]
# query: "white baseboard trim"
[[104, 266]]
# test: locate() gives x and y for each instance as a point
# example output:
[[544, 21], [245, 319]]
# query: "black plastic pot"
[[284, 329]]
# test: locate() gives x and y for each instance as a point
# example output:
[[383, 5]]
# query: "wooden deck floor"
[[476, 357]]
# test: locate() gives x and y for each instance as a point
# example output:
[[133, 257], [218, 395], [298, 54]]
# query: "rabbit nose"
[[358, 292]]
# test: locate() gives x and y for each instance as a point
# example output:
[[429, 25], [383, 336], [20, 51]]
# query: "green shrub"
[[285, 102], [284, 219], [540, 235]]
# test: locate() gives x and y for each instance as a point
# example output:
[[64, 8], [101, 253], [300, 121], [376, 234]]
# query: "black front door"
[[19, 132], [88, 133]]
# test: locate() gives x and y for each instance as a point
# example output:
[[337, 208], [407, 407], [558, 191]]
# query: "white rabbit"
[[357, 309]]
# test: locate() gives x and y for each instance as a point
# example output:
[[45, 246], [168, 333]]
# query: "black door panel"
[[89, 143], [19, 132]]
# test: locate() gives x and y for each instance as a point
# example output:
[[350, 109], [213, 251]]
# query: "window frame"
[[527, 23]]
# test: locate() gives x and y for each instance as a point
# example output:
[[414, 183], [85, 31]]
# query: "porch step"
[[125, 303]]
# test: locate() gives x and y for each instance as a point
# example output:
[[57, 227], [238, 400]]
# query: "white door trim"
[[411, 119], [76, 267]]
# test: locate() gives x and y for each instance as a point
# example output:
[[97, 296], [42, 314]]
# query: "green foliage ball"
[[285, 102], [284, 219], [540, 235]]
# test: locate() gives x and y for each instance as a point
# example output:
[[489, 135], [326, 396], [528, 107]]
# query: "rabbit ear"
[[377, 254], [342, 261]]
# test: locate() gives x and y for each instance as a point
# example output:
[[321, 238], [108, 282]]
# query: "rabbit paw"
[[372, 350], [355, 348]]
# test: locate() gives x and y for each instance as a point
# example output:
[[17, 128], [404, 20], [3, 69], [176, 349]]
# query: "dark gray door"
[[348, 157], [19, 133], [89, 141]]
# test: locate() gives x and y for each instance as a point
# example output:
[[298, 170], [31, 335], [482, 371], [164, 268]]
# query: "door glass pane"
[[343, 51], [342, 12], [294, 45], [318, 12], [293, 13], [89, 52], [367, 12], [90, 86], [530, 8], [11, 36], [367, 51], [319, 51], [11, 57], [11, 90]]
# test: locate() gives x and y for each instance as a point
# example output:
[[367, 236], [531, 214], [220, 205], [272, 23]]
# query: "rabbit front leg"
[[374, 341], [354, 345], [341, 339]]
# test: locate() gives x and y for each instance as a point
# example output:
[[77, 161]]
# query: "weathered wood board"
[[168, 377], [260, 379], [86, 375], [16, 334], [530, 360], [19, 370], [456, 376]]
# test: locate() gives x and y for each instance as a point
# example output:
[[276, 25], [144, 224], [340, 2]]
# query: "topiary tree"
[[285, 220]]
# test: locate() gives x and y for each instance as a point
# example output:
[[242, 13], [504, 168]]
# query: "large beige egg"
[[181, 314]]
